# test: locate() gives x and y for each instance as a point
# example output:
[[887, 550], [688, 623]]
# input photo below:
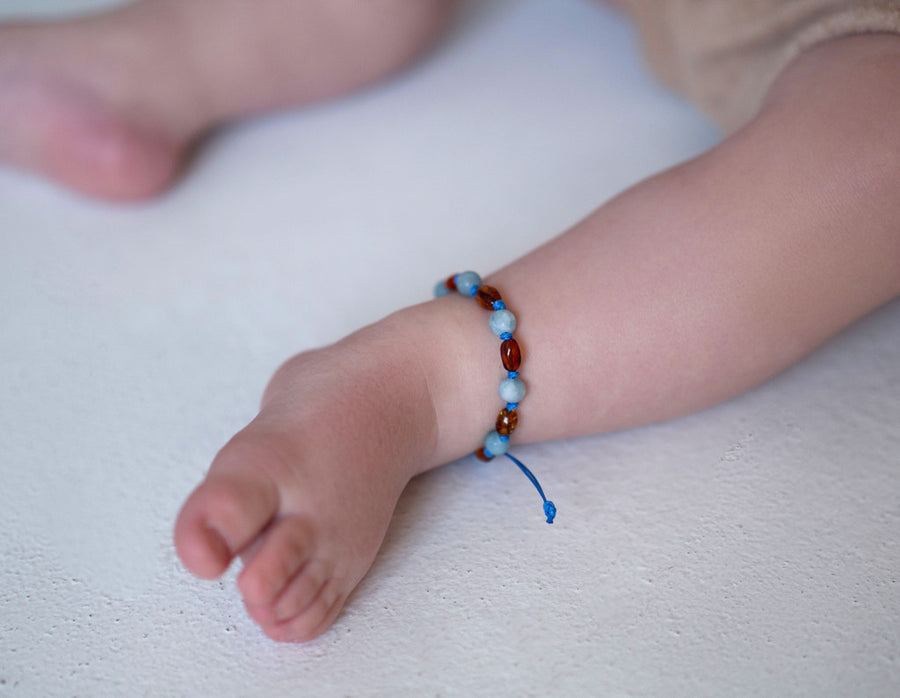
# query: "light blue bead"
[[495, 444], [441, 289], [502, 321], [512, 389], [466, 282]]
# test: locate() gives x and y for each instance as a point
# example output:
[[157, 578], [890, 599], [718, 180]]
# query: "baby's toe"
[[314, 620], [221, 518], [302, 590], [279, 555]]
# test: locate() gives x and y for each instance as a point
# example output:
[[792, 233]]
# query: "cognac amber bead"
[[486, 295], [506, 421], [481, 455], [510, 354], [451, 282]]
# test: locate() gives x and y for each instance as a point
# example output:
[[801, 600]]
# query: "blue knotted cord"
[[549, 507]]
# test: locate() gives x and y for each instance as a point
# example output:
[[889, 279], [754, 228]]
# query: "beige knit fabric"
[[724, 54]]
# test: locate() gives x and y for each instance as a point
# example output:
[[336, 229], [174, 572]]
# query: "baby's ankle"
[[448, 344], [374, 383]]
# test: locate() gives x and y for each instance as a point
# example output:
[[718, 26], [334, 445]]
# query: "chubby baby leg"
[[683, 291]]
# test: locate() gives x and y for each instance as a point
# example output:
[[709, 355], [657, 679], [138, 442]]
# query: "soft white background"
[[751, 549]]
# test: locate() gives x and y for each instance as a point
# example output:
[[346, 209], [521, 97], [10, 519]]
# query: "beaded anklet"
[[512, 389]]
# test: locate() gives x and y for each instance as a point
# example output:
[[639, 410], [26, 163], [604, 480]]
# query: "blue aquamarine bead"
[[441, 289], [502, 321], [467, 282], [512, 390], [493, 443]]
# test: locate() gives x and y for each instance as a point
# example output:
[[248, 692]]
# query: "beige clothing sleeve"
[[725, 54]]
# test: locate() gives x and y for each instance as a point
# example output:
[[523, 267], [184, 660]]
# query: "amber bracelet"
[[502, 323]]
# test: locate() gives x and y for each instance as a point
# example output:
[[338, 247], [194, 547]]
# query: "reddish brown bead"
[[486, 295], [481, 455], [451, 282], [506, 422], [510, 354]]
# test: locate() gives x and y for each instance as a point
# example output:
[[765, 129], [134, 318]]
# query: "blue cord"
[[549, 507]]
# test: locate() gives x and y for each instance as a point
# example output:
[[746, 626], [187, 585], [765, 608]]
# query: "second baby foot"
[[109, 104], [94, 106]]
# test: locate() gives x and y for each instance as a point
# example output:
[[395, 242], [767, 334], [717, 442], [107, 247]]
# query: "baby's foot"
[[94, 105], [109, 104], [305, 493]]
